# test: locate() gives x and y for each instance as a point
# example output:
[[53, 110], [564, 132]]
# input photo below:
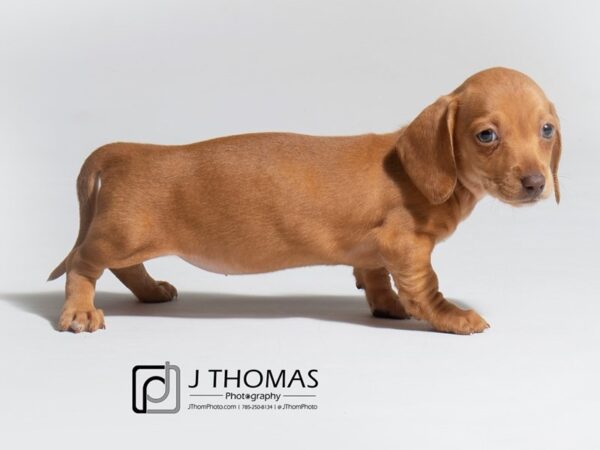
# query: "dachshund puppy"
[[269, 201]]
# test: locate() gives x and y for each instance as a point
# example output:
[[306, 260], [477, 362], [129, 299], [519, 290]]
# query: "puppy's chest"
[[443, 221], [362, 254]]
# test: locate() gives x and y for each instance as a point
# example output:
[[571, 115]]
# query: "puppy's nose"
[[533, 184]]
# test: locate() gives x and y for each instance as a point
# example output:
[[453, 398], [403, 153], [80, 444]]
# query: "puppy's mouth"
[[521, 202], [513, 195]]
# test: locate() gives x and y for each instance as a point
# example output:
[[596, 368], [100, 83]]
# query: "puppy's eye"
[[487, 136], [547, 131]]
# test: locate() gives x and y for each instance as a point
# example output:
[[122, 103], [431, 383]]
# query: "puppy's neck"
[[475, 188], [466, 199]]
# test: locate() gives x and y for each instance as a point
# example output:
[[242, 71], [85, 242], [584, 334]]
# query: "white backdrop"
[[75, 75]]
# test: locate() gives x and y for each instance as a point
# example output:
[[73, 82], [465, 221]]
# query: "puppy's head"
[[497, 133]]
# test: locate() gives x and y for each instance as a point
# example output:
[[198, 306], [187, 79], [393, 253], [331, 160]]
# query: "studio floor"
[[530, 381]]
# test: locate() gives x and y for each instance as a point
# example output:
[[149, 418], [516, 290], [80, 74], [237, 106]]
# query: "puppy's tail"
[[88, 183]]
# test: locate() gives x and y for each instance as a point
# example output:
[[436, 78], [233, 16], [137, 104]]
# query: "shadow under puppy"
[[269, 201]]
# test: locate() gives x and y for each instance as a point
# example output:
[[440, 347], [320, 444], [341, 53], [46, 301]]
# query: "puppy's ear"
[[426, 150], [556, 150]]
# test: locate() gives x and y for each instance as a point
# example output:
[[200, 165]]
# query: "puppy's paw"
[[169, 291], [80, 320], [459, 321], [162, 292], [386, 305], [398, 315]]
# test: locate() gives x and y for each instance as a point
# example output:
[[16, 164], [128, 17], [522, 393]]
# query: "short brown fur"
[[264, 202]]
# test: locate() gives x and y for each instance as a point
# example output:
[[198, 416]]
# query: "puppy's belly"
[[212, 265], [252, 263], [244, 266]]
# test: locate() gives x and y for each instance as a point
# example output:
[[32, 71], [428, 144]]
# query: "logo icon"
[[156, 389]]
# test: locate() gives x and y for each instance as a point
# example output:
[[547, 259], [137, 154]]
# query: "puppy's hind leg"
[[79, 313], [381, 297], [143, 286]]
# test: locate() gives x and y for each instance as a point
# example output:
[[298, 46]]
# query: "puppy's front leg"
[[381, 297], [409, 262]]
